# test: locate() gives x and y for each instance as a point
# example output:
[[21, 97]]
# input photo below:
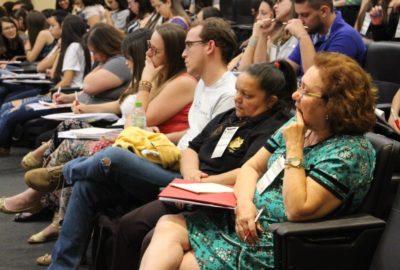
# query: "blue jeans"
[[11, 117], [109, 178]]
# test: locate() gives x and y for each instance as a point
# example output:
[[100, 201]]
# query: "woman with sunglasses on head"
[[324, 167]]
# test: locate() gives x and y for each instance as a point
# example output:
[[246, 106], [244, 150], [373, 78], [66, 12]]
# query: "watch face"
[[295, 162]]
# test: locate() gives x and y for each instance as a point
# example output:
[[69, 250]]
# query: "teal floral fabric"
[[342, 164]]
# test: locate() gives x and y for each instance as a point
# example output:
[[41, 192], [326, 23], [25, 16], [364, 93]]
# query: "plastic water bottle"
[[139, 115]]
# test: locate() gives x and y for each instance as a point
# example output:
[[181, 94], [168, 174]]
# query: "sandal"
[[44, 214], [29, 161], [5, 210], [44, 260], [40, 237]]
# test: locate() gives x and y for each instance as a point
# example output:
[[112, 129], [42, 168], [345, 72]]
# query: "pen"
[[395, 118], [76, 98], [285, 23], [255, 220]]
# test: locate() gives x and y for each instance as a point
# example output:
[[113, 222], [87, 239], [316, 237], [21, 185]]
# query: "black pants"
[[133, 228]]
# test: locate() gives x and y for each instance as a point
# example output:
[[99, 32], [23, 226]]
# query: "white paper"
[[27, 81], [88, 133], [43, 105], [204, 187], [39, 76], [88, 117]]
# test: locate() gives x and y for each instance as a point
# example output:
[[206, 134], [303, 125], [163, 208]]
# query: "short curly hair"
[[350, 94]]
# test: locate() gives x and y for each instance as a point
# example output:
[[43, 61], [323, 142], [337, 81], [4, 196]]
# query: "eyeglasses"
[[153, 49], [190, 44], [303, 91]]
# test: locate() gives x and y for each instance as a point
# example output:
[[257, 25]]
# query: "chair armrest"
[[340, 224], [343, 243]]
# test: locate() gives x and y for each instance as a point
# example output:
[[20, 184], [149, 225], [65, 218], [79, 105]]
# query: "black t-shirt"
[[11, 52], [248, 139]]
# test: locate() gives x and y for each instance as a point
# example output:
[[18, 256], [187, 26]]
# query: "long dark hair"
[[134, 47], [73, 29], [12, 43], [35, 22], [173, 37], [145, 7], [105, 39]]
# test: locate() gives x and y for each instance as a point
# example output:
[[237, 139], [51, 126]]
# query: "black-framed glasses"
[[190, 44], [153, 49]]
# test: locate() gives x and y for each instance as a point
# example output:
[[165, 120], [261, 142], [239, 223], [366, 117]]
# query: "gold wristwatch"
[[294, 162]]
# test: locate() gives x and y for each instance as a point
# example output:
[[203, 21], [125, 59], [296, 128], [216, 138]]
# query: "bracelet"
[[145, 86], [253, 42]]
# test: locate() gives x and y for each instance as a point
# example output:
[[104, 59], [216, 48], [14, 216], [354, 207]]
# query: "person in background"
[[73, 64], [93, 12], [40, 41], [394, 120], [269, 40], [142, 15], [19, 16], [320, 28], [11, 45], [66, 5], [118, 13], [208, 12], [172, 11], [326, 166], [371, 26]]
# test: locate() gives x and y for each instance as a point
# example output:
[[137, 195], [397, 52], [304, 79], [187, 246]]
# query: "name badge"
[[397, 34], [224, 141], [366, 23], [270, 175]]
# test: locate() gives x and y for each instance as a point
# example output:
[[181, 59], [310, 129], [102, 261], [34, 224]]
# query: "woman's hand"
[[294, 134], [60, 98], [267, 26], [376, 14], [78, 107], [195, 175], [393, 124], [150, 71], [246, 227]]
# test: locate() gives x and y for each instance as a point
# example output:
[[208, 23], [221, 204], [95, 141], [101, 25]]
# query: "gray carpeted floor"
[[15, 252]]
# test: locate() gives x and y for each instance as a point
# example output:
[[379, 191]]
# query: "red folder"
[[220, 200]]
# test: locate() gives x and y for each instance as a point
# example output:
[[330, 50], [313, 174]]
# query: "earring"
[[326, 117]]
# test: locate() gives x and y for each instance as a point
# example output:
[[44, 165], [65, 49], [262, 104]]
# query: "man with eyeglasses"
[[209, 48], [319, 28]]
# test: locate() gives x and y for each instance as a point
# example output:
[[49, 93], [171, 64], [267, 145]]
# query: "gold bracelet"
[[145, 86]]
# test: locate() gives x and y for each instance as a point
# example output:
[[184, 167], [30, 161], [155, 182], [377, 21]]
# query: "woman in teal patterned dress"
[[326, 170]]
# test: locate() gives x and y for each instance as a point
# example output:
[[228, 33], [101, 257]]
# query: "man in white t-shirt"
[[209, 48]]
